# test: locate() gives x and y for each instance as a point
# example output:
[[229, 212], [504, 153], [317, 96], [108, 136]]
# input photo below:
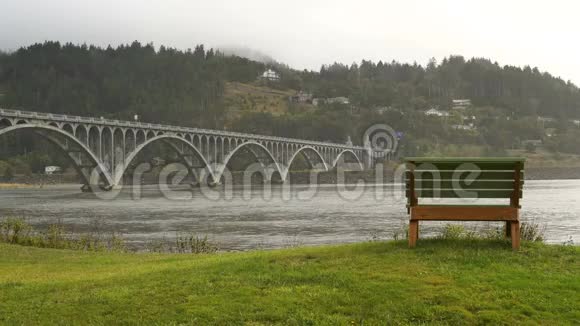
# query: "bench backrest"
[[456, 177]]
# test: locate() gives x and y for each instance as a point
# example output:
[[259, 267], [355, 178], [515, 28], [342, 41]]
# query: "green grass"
[[439, 282]]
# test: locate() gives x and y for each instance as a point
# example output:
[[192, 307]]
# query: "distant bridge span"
[[102, 150]]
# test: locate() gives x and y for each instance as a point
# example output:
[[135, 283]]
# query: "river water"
[[241, 219]]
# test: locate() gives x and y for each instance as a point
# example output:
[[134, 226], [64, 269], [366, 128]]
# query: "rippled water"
[[242, 223]]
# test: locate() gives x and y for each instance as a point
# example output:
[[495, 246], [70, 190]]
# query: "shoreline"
[[298, 177]]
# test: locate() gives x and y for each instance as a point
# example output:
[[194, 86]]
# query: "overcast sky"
[[306, 34]]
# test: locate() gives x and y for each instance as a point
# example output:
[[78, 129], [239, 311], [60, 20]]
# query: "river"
[[241, 219]]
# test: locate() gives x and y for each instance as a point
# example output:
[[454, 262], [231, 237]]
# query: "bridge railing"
[[160, 127]]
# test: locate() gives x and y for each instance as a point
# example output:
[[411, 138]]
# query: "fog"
[[306, 34]]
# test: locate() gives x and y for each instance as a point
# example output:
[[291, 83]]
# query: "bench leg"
[[413, 233], [508, 229], [515, 232]]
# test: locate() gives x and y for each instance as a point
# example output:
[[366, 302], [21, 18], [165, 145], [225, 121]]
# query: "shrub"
[[14, 230], [17, 231], [8, 173], [191, 243], [531, 231]]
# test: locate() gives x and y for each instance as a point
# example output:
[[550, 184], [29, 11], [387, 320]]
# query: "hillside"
[[242, 98], [509, 108], [440, 282]]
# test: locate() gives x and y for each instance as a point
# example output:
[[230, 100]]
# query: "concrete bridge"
[[102, 150]]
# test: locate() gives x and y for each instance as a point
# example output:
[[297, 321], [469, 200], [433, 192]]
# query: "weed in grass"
[[293, 241], [453, 232], [401, 233], [375, 236], [156, 246]]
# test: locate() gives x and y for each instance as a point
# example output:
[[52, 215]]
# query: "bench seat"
[[464, 213]]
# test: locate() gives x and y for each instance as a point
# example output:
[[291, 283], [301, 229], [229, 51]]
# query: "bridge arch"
[[129, 139], [92, 137], [166, 139], [5, 123], [68, 128], [118, 146], [107, 147], [305, 149], [344, 152], [140, 137], [252, 145], [52, 134]]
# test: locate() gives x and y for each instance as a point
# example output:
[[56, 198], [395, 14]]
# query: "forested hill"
[[168, 85], [191, 88], [178, 86], [524, 91]]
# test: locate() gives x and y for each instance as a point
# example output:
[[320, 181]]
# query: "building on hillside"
[[550, 132], [301, 97], [436, 113], [576, 122], [533, 142], [546, 119], [50, 169], [339, 100], [467, 127], [460, 104], [270, 75]]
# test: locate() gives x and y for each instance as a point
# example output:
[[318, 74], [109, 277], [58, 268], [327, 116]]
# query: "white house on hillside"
[[50, 169], [436, 113], [270, 75], [461, 104], [340, 100]]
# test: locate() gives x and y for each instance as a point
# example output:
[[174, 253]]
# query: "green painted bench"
[[454, 185]]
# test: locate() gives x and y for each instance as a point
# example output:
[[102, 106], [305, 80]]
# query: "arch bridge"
[[102, 150]]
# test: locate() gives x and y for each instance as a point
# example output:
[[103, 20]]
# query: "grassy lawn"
[[439, 282]]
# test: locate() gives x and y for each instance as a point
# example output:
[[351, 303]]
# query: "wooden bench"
[[455, 185]]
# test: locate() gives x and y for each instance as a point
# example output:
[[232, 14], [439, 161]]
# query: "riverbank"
[[295, 177], [16, 185], [441, 281]]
